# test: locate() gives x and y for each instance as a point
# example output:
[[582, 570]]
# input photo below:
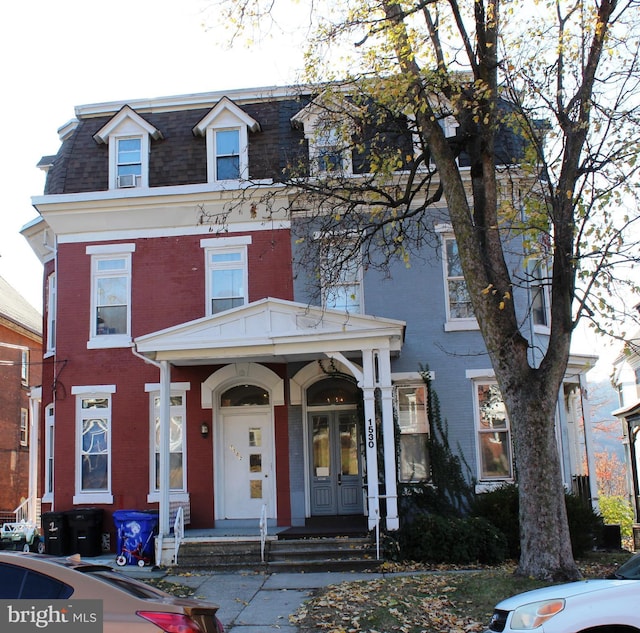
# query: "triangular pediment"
[[274, 325], [126, 115], [224, 113]]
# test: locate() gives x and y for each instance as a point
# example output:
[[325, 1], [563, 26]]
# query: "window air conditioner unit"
[[126, 180]]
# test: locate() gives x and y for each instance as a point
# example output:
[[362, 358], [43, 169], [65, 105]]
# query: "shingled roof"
[[179, 157], [15, 308]]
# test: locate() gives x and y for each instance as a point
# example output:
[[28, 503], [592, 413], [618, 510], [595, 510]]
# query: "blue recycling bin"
[[135, 531]]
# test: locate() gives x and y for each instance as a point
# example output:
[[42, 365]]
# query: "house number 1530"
[[370, 434]]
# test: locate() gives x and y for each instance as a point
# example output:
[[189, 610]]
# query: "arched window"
[[244, 395], [333, 391]]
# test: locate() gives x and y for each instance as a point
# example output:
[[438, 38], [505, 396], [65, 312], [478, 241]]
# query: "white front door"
[[247, 465]]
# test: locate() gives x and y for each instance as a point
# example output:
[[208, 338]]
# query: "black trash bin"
[[85, 527], [56, 533], [135, 530]]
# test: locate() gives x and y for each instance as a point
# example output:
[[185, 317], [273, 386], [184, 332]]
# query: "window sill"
[[105, 498], [154, 497], [489, 486], [461, 326], [109, 341]]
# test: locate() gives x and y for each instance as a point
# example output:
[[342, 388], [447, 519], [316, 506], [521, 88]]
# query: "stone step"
[[312, 554]]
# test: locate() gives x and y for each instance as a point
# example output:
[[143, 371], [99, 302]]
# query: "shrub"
[[433, 538], [501, 508], [618, 511]]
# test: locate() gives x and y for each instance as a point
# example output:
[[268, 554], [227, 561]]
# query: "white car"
[[608, 605]]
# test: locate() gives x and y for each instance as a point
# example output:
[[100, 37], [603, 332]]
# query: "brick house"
[[191, 365], [20, 371]]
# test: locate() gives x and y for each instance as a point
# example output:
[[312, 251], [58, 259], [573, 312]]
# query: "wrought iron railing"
[[263, 530], [178, 533]]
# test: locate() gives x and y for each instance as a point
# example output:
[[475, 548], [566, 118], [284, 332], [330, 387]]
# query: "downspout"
[[165, 393]]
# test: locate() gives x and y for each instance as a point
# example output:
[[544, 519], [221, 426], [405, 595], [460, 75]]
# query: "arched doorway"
[[335, 448]]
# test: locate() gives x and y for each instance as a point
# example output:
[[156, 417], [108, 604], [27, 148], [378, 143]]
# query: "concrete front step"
[[312, 554]]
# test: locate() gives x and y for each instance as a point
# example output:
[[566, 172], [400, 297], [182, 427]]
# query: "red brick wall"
[[14, 396], [168, 288]]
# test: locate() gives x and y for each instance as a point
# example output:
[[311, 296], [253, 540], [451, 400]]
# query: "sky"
[[58, 54]]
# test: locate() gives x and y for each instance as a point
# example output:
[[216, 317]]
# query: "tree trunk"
[[544, 534]]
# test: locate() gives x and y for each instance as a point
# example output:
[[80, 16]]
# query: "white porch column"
[[35, 396], [371, 446], [165, 411], [388, 439]]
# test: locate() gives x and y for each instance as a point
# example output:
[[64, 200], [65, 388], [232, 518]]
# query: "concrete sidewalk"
[[252, 602]]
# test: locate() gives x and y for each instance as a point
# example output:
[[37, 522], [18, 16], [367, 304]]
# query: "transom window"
[[244, 395], [227, 278], [333, 391], [227, 150], [129, 162], [494, 434], [413, 422]]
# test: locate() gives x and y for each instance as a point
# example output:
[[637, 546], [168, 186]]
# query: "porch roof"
[[271, 330]]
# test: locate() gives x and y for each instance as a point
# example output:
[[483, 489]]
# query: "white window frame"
[[52, 306], [122, 180], [413, 428], [539, 289], [24, 366], [220, 246], [452, 323], [127, 124], [24, 427], [49, 453], [177, 389], [321, 121], [100, 496], [99, 254], [479, 379], [225, 116], [328, 286], [217, 154]]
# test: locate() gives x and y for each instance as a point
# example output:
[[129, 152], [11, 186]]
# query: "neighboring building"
[[627, 381], [185, 362], [20, 371]]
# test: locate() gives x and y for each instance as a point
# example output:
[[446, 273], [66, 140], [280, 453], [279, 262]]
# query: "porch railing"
[[263, 530], [178, 533], [377, 519]]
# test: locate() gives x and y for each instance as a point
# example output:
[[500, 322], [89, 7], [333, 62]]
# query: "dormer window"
[[328, 157], [128, 136], [227, 150], [328, 135], [129, 162], [226, 128]]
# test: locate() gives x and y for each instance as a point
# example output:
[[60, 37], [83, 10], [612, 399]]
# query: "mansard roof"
[[178, 153], [178, 144]]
